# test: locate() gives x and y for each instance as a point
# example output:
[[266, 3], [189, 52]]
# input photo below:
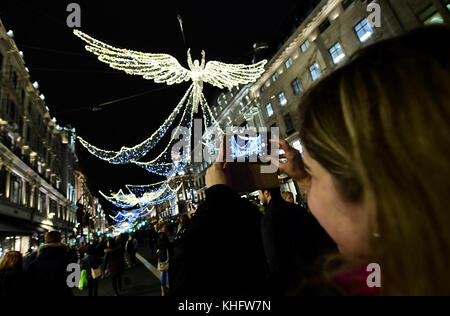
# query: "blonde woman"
[[376, 165], [12, 278]]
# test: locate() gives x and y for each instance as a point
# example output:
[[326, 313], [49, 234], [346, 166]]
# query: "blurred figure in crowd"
[[114, 264], [221, 252], [131, 248], [164, 254], [288, 197], [13, 281], [91, 262], [49, 270], [293, 242]]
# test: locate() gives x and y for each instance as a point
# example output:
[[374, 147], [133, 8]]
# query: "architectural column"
[[406, 16], [8, 182], [325, 53], [390, 17]]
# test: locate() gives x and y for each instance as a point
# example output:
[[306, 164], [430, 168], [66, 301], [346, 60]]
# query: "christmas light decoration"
[[155, 197], [125, 155], [163, 68]]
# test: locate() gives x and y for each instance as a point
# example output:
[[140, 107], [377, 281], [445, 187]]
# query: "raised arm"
[[203, 60], [191, 65]]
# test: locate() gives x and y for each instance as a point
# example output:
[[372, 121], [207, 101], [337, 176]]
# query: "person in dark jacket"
[[164, 254], [153, 239], [131, 248], [30, 256], [114, 263], [49, 270], [91, 261], [293, 242], [13, 281], [221, 252], [73, 254]]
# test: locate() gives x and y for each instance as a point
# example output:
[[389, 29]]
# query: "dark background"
[[73, 80]]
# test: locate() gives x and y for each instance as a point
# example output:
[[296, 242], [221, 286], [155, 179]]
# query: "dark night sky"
[[73, 80]]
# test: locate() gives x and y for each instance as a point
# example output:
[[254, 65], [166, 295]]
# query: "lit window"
[[315, 71], [289, 125], [269, 110], [298, 145], [288, 63], [337, 53], [304, 46], [282, 99], [431, 16], [347, 3], [275, 77], [326, 24], [363, 30], [297, 86]]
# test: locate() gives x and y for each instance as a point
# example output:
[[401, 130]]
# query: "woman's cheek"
[[318, 207]]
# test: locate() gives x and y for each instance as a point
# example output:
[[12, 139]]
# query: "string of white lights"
[[126, 155]]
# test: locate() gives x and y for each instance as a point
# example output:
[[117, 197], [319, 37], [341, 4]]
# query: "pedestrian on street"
[[49, 270], [114, 265], [288, 197], [164, 254], [13, 281], [91, 263], [221, 253], [131, 248], [293, 242], [30, 256]]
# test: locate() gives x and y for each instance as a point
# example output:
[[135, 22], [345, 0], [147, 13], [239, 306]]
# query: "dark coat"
[[164, 246], [294, 242], [91, 261], [114, 261], [13, 284], [49, 270], [221, 252]]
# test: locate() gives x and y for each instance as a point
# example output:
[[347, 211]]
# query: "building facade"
[[91, 219], [37, 158], [326, 38]]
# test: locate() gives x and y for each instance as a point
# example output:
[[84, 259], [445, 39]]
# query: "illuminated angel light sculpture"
[[163, 68]]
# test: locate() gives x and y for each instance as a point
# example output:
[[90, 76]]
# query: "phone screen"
[[245, 147]]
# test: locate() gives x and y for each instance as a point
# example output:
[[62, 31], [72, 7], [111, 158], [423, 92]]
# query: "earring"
[[376, 235]]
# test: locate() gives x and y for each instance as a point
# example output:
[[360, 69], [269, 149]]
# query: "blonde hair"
[[11, 261], [380, 126]]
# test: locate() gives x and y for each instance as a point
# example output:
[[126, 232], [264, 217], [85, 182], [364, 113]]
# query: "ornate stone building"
[[37, 158]]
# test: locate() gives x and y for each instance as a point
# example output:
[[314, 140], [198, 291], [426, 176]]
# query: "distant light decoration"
[[163, 68], [127, 220], [147, 195]]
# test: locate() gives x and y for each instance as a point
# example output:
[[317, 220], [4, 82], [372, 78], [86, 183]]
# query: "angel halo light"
[[163, 68]]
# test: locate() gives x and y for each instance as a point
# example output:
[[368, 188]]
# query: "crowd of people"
[[375, 168], [47, 267]]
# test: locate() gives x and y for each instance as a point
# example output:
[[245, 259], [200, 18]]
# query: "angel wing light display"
[[163, 68]]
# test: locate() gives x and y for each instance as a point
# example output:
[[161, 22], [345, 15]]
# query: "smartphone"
[[247, 147]]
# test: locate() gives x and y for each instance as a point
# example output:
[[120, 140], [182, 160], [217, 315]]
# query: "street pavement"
[[137, 280]]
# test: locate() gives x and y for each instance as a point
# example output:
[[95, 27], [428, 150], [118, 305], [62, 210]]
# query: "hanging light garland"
[[126, 155], [163, 68]]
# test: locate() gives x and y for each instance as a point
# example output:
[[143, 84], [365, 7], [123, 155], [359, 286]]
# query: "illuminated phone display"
[[244, 146]]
